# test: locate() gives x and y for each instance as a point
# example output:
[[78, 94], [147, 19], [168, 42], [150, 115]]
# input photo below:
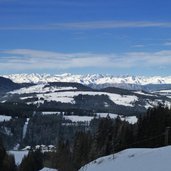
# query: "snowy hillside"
[[75, 95], [60, 92], [157, 159], [88, 79]]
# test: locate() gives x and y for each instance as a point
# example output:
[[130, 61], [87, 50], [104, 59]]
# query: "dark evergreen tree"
[[81, 148], [103, 144], [7, 162], [63, 159], [2, 154], [32, 162], [151, 127]]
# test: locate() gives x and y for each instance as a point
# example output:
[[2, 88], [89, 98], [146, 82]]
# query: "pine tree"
[[103, 138], [2, 154], [32, 162], [63, 157], [81, 149], [7, 162]]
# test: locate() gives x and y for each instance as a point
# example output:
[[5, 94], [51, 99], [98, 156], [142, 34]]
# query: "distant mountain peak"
[[88, 79]]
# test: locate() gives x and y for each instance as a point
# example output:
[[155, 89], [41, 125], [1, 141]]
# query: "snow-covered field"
[[157, 159], [130, 119], [41, 88], [143, 93], [76, 118], [18, 155], [68, 96], [44, 91], [5, 118], [51, 113], [164, 93], [79, 118], [41, 93], [150, 103]]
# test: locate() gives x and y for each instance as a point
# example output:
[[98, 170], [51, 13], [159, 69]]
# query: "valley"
[[40, 111]]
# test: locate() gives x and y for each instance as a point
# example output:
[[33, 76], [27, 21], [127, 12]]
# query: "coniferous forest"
[[108, 137]]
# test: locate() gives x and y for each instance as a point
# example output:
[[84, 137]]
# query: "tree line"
[[110, 136]]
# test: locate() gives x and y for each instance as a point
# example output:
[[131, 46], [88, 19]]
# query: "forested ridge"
[[109, 137]]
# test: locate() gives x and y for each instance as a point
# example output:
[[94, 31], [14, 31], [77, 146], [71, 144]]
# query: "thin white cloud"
[[167, 44], [90, 25], [27, 59], [138, 46]]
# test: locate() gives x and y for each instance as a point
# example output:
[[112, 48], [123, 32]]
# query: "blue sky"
[[118, 37]]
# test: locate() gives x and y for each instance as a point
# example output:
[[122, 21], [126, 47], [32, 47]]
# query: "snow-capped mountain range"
[[122, 94], [88, 79]]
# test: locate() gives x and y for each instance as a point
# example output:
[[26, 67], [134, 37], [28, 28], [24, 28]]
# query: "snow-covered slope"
[[166, 92], [79, 96], [42, 88], [68, 97], [157, 159], [88, 79], [60, 91]]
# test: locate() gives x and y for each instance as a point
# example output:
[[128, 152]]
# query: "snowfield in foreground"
[[138, 159]]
